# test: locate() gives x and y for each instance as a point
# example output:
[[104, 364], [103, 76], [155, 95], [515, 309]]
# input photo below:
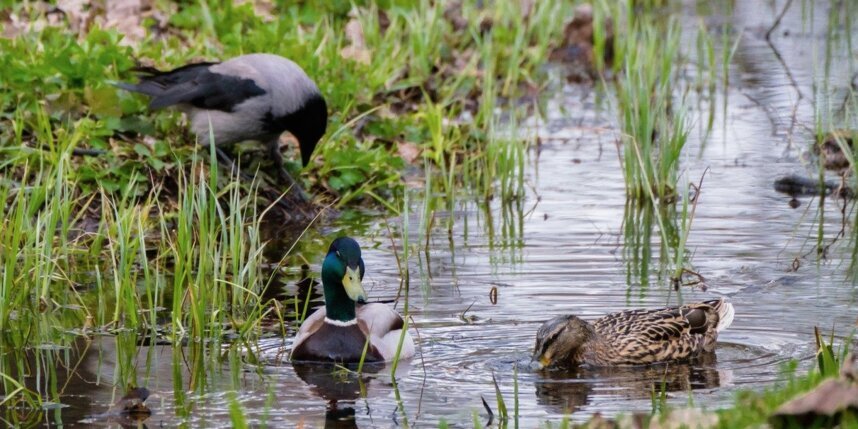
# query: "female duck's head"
[[342, 273], [559, 341]]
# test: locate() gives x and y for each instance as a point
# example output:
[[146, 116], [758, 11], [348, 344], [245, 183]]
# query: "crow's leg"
[[227, 162], [285, 178]]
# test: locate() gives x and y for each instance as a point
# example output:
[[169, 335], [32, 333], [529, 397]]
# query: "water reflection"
[[335, 383], [573, 245], [567, 391], [339, 416], [341, 386]]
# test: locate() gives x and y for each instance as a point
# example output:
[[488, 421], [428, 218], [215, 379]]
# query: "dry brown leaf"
[[77, 13], [125, 16], [356, 50], [13, 26], [264, 9], [829, 399], [690, 418], [287, 139], [526, 7], [408, 151], [453, 14]]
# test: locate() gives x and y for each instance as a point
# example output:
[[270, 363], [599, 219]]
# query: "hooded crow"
[[250, 97]]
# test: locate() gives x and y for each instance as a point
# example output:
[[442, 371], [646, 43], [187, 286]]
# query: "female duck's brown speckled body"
[[633, 337]]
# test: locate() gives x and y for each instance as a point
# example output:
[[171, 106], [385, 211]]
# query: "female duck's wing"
[[383, 325], [647, 336]]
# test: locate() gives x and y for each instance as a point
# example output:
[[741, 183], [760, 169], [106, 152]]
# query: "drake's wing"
[[379, 318], [384, 326], [310, 326]]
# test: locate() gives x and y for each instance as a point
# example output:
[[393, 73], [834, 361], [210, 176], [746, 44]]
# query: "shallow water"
[[562, 251]]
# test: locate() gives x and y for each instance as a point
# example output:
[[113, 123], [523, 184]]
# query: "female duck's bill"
[[346, 329], [633, 337]]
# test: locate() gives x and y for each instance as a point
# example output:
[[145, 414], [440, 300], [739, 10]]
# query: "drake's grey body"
[[338, 342], [250, 97]]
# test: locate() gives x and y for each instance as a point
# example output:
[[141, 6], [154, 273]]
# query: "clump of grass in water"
[[216, 255], [200, 257], [38, 212], [654, 130], [212, 255], [674, 228]]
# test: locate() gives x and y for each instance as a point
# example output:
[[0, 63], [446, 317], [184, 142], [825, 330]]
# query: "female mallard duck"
[[339, 331], [632, 337]]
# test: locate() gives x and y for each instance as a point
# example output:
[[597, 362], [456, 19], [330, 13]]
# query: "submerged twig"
[[793, 82], [488, 410], [778, 20]]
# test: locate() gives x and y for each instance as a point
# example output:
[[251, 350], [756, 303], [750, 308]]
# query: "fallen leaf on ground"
[[689, 418], [356, 50], [826, 403], [408, 151], [77, 13], [125, 17]]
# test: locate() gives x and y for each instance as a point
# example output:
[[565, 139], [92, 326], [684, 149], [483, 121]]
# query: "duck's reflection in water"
[[341, 386], [340, 416], [334, 382], [567, 391]]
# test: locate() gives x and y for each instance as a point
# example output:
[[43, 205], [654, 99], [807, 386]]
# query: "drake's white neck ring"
[[340, 322]]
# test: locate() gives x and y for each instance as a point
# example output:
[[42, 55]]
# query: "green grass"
[[415, 67], [755, 408], [652, 120], [147, 240]]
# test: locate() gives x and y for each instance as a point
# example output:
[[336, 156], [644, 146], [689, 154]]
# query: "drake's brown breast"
[[337, 344]]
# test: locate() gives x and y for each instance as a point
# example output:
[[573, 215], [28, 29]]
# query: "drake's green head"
[[342, 273]]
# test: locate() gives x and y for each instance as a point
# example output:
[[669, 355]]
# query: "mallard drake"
[[249, 97], [338, 332], [632, 337]]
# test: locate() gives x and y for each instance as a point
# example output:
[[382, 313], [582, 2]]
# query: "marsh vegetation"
[[499, 162]]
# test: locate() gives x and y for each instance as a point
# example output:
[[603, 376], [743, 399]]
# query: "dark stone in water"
[[132, 405], [128, 411], [795, 186]]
